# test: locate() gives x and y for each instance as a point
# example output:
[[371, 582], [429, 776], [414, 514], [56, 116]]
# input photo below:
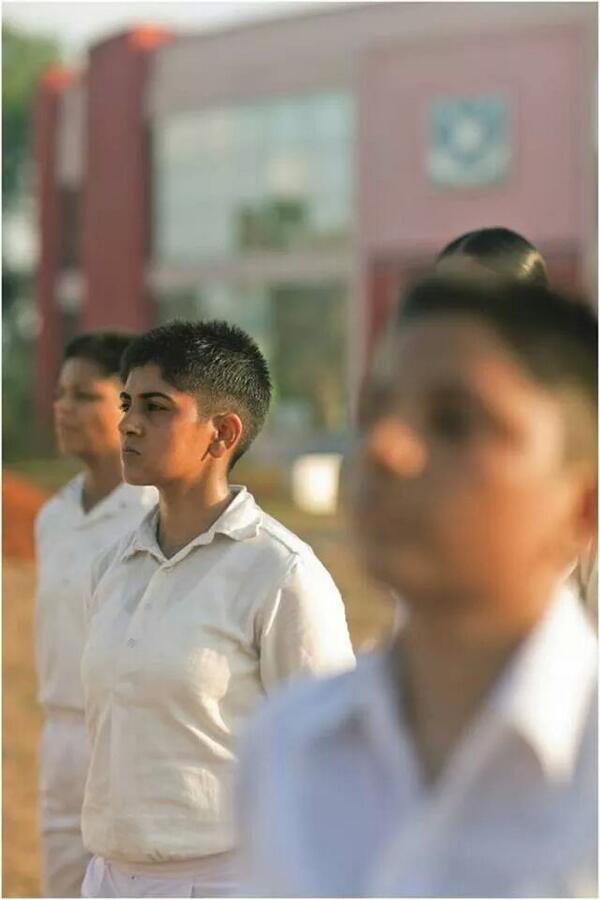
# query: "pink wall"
[[401, 212]]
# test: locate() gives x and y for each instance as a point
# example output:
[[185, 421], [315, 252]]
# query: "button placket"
[[141, 619], [133, 633]]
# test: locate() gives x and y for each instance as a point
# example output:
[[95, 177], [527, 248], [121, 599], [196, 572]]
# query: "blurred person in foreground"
[[497, 250], [462, 759], [193, 617], [506, 253], [85, 516]]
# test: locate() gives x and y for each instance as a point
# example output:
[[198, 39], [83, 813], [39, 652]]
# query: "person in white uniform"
[[91, 512], [498, 251], [507, 253], [193, 618], [461, 760]]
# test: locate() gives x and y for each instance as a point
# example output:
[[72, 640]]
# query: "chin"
[[133, 474], [134, 479]]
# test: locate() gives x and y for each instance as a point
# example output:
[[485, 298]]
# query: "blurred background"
[[286, 166]]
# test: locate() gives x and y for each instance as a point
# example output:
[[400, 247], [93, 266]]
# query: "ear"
[[589, 512], [586, 512], [228, 434]]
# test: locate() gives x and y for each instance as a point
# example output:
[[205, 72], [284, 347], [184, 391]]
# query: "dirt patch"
[[20, 504], [21, 724]]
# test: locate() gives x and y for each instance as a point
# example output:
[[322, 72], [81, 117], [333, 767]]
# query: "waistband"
[[198, 866]]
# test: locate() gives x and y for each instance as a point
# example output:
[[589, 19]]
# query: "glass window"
[[309, 355], [301, 329], [274, 175], [178, 303]]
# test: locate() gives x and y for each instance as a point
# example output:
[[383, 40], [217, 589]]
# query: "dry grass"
[[368, 620]]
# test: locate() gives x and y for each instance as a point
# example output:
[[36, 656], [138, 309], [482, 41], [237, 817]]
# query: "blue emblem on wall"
[[468, 141]]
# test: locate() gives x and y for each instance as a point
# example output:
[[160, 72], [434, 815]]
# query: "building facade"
[[291, 175]]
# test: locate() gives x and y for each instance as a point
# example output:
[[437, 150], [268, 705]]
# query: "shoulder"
[[56, 509], [279, 545], [279, 542], [276, 534], [112, 556], [50, 511], [106, 562]]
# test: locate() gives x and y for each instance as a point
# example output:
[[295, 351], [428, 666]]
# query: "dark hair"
[[214, 360], [501, 251], [104, 348], [554, 337]]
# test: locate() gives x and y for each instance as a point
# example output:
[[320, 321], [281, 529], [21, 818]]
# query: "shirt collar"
[[543, 694], [546, 691], [239, 521]]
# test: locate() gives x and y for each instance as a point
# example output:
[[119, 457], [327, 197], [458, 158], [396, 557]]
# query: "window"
[[271, 176], [301, 329]]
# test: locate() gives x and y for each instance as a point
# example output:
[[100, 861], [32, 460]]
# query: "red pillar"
[[48, 349], [115, 198]]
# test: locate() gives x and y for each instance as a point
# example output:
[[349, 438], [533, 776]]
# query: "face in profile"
[[463, 491], [86, 410], [164, 436]]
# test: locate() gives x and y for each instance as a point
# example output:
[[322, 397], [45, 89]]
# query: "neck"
[[447, 665], [101, 476], [187, 510]]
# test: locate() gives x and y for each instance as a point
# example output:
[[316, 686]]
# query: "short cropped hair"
[[554, 337], [215, 361], [502, 251], [104, 348]]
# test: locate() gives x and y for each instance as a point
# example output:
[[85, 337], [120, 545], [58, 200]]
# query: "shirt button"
[[131, 642]]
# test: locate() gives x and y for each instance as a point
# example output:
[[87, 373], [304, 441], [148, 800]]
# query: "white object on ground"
[[315, 482]]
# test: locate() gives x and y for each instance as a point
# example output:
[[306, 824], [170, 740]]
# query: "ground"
[[369, 618], [21, 722]]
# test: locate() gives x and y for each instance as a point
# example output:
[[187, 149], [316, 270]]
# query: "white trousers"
[[63, 770], [64, 861], [211, 876]]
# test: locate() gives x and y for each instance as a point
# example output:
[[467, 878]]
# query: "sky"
[[76, 25]]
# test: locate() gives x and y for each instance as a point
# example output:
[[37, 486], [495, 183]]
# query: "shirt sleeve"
[[304, 629]]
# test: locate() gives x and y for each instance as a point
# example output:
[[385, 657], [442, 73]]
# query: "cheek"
[[172, 447], [500, 506]]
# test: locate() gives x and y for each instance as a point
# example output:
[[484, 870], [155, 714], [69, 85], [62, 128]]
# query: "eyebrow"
[[147, 395]]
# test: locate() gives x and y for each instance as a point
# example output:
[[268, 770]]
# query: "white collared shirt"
[[67, 540], [332, 802], [180, 652]]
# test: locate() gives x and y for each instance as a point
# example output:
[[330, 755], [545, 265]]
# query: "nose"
[[129, 423], [395, 446]]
